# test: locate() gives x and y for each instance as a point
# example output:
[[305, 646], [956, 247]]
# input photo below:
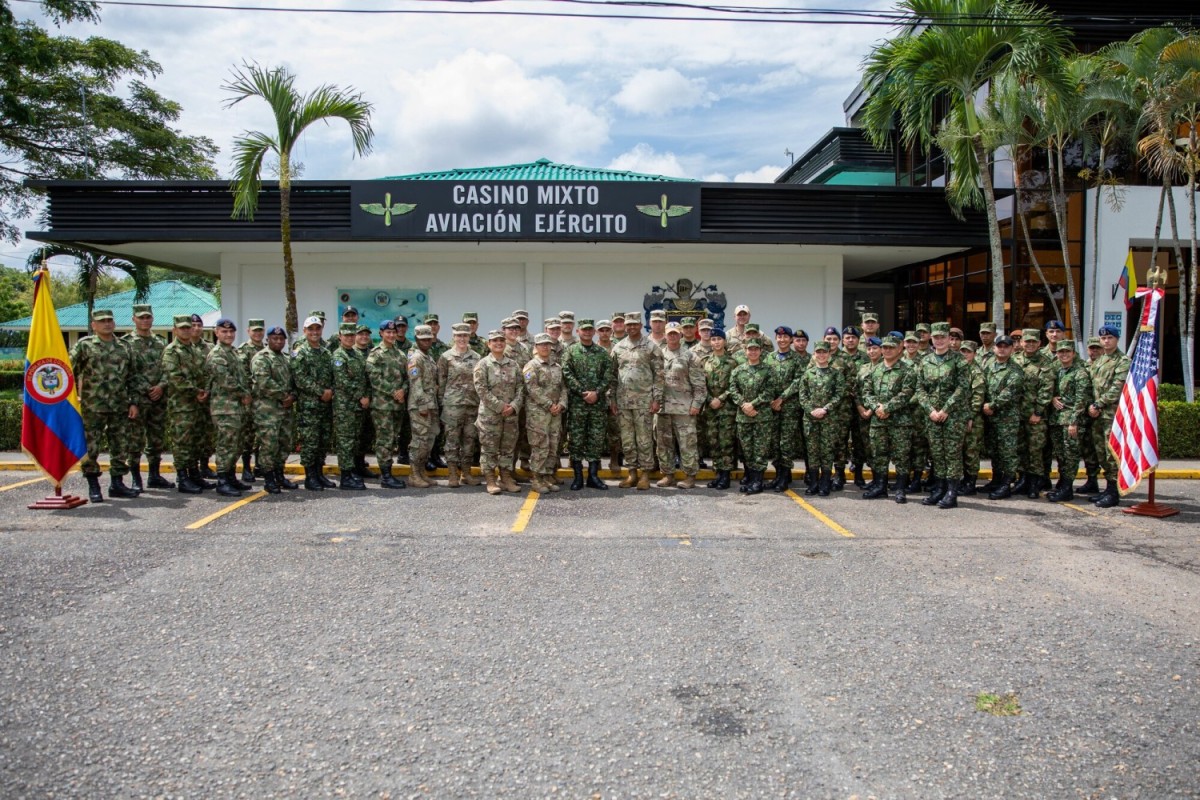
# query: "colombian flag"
[[1128, 281], [51, 424]]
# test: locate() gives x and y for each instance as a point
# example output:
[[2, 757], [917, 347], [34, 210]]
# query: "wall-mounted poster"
[[376, 305]]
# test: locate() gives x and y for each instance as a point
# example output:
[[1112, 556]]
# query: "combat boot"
[[492, 486], [593, 478], [1091, 486], [630, 480], [993, 484], [506, 481], [361, 469], [350, 480], [966, 487], [577, 471], [1063, 492], [688, 482], [311, 482], [225, 487], [859, 480], [117, 488], [452, 473], [235, 483], [95, 495], [877, 489], [199, 480], [667, 480], [466, 477], [950, 499], [1109, 497], [387, 480], [418, 479], [614, 459], [914, 483], [551, 486], [901, 497], [269, 483], [1003, 491], [713, 484], [825, 484], [755, 486], [778, 481], [784, 481], [814, 487], [538, 484], [282, 480], [723, 479], [1022, 484], [135, 477], [247, 470], [154, 478], [186, 483], [1033, 487], [839, 477], [206, 471], [936, 493], [643, 482]]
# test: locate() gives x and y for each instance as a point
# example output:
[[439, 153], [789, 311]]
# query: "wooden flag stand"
[[1150, 508], [58, 500]]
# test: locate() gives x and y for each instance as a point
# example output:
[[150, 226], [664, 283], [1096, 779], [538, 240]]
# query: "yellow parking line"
[[1082, 510], [22, 483], [810, 509], [525, 513], [200, 523]]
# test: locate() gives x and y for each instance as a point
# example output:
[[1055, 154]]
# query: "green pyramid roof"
[[541, 170], [168, 298]]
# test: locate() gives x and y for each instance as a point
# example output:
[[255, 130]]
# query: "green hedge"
[[1178, 429], [12, 379], [10, 424]]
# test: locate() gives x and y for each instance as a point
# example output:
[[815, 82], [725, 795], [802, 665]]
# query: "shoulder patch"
[[528, 374], [415, 371], [337, 362]]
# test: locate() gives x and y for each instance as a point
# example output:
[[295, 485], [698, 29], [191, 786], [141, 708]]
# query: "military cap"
[[742, 308], [276, 331], [313, 319], [850, 330], [401, 321], [821, 347], [256, 324], [510, 322], [674, 327], [705, 323], [494, 335], [1108, 330], [987, 327], [460, 327], [832, 331], [800, 334], [348, 329], [1064, 344], [362, 328], [618, 315], [870, 316], [600, 324], [911, 336], [470, 316], [752, 343], [387, 325], [1054, 325], [635, 318], [940, 329], [552, 322], [898, 334], [349, 310], [874, 341], [687, 322], [1094, 341], [520, 313], [658, 314], [320, 314], [1031, 335], [957, 332], [889, 341], [196, 319], [225, 322], [431, 318], [753, 328], [1003, 340], [784, 330], [183, 320], [717, 333], [143, 311], [922, 327], [586, 323], [637, 314], [102, 314], [968, 345], [423, 332], [543, 338], [566, 316]]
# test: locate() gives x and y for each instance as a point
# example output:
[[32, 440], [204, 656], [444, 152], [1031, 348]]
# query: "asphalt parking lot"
[[596, 644]]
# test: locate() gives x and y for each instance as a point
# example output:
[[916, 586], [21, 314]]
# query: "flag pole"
[[1151, 508]]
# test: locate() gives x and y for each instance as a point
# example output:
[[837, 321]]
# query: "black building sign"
[[526, 210]]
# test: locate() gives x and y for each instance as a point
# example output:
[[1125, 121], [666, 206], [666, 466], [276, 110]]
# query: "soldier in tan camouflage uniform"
[[148, 431], [545, 406], [566, 336], [638, 397], [229, 402], [423, 413], [460, 406], [501, 393], [274, 397], [519, 348], [684, 391], [387, 375]]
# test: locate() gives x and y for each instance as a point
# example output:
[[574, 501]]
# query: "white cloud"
[[655, 92], [643, 158], [764, 174]]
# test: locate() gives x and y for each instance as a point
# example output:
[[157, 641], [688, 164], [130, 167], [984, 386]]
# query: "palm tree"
[[952, 50], [293, 114], [90, 266]]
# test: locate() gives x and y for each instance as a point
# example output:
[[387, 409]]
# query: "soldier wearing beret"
[[229, 403], [274, 394], [460, 406], [148, 431]]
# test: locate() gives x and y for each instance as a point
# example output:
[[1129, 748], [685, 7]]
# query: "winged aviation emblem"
[[662, 210], [386, 209]]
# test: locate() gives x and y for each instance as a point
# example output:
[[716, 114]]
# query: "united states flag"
[[1133, 439]]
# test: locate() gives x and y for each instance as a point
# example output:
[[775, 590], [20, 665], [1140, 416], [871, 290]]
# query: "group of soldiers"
[[659, 402]]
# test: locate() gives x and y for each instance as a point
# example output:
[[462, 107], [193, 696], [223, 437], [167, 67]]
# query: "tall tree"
[[91, 267], [951, 51], [80, 108], [293, 114]]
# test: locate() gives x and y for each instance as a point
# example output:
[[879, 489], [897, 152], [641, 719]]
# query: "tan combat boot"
[[688, 482], [467, 478], [666, 481], [452, 472], [506, 481], [538, 484], [417, 479], [630, 480], [643, 480], [492, 486]]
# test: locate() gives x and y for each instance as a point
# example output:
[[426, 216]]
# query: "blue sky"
[[713, 101]]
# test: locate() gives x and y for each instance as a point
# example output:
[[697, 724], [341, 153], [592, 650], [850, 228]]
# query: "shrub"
[[10, 424], [1178, 429], [12, 379]]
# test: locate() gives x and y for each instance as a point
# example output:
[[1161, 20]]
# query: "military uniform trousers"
[[273, 433], [111, 427], [228, 425], [788, 436], [1087, 449], [1098, 430], [757, 440], [461, 435], [920, 445], [1034, 438], [246, 443], [545, 433], [1003, 435], [677, 429], [387, 423], [946, 446], [973, 448], [347, 433], [823, 437], [860, 438], [637, 438], [1066, 450], [841, 420], [890, 444], [314, 422], [148, 433], [497, 441], [721, 429], [188, 418], [587, 430], [425, 428]]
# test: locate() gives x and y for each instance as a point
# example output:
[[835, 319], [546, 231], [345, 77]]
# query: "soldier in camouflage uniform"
[[639, 390], [351, 399], [247, 350], [1108, 380], [545, 404], [460, 406], [187, 398], [862, 414], [987, 344], [423, 412], [437, 459], [519, 350], [312, 372], [719, 412], [683, 397], [751, 390], [404, 432], [588, 373], [148, 431], [1004, 392], [103, 371], [387, 377], [973, 441], [1072, 396], [229, 401], [788, 416], [274, 396], [1087, 443], [498, 381], [1039, 390], [854, 444], [474, 340], [605, 339], [567, 335], [943, 395], [350, 315], [920, 442], [821, 393], [209, 432], [887, 394]]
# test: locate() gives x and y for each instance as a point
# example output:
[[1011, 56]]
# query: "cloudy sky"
[[708, 100]]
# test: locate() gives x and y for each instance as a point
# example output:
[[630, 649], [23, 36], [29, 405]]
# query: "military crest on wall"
[[683, 298]]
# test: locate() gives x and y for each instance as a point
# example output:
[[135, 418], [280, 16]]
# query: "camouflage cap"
[[870, 316], [922, 327], [362, 328], [510, 322], [688, 322], [102, 314], [566, 316], [1094, 341], [348, 329], [705, 323], [987, 327], [470, 316], [183, 320], [256, 324], [320, 314], [494, 335], [1064, 344], [939, 328], [753, 328], [752, 343], [1031, 335], [432, 318], [634, 317], [143, 311], [552, 322], [520, 313], [957, 332], [601, 324], [423, 332], [543, 338], [968, 345], [618, 315], [821, 347], [658, 315], [911, 336], [462, 328], [889, 341], [585, 324]]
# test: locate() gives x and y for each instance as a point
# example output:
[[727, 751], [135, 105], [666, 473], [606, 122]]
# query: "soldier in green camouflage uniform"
[[1108, 380], [498, 381], [147, 432], [274, 397], [247, 350], [460, 406], [638, 397], [751, 390], [788, 415], [1072, 396], [973, 442], [987, 344], [854, 445], [351, 399], [887, 393], [312, 371], [404, 432], [683, 397], [920, 442], [229, 401], [1039, 390], [1004, 393], [545, 404], [187, 398], [588, 373], [943, 395], [423, 412], [720, 414], [1087, 443], [103, 371], [821, 393], [387, 377]]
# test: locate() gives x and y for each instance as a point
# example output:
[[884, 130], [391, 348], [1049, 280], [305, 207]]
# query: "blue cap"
[[800, 333], [225, 322], [1054, 325], [874, 341], [387, 325], [784, 329], [832, 330], [1108, 330], [276, 331], [850, 330], [898, 334], [717, 332]]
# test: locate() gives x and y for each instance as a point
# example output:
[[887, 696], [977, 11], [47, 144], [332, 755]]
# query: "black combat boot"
[[325, 480], [269, 483], [966, 487], [1091, 486], [593, 478], [312, 480], [282, 480], [936, 493], [350, 480], [1063, 492], [839, 477], [1033, 487], [187, 483], [716, 480], [577, 472], [225, 486], [859, 480], [154, 478], [950, 499], [825, 484], [206, 472], [878, 488], [247, 470], [1001, 492], [361, 469], [1022, 484], [900, 496], [199, 479], [756, 482], [235, 483], [117, 487], [1109, 497], [784, 481], [387, 480], [993, 484], [135, 477], [94, 493], [914, 483], [815, 486], [722, 479]]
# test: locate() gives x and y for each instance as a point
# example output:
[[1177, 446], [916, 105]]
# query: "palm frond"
[[249, 150]]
